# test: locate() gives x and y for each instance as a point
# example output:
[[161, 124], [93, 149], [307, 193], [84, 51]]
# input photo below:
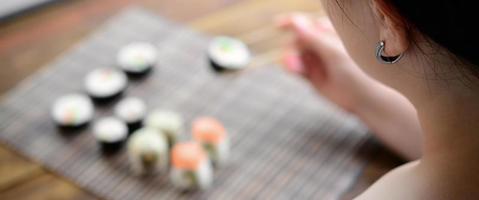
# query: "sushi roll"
[[137, 59], [132, 110], [72, 111], [212, 135], [191, 168], [105, 84], [111, 133], [226, 53], [168, 123], [148, 152]]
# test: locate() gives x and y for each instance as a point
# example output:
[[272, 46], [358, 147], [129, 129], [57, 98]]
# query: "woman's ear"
[[392, 28]]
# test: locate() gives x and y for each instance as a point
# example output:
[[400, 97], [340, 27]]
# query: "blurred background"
[[34, 32]]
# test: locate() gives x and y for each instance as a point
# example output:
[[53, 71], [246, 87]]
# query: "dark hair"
[[448, 23]]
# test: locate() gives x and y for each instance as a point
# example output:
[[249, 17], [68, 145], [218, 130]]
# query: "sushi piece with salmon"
[[227, 53], [72, 111], [105, 84], [212, 135], [148, 152], [191, 168], [168, 123], [137, 59]]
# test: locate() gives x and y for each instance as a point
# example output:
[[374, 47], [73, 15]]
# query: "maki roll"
[[148, 151], [168, 123], [137, 59], [72, 111], [191, 168], [226, 53], [131, 110], [111, 133], [105, 84], [212, 135]]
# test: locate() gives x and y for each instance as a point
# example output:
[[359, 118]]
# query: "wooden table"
[[28, 42]]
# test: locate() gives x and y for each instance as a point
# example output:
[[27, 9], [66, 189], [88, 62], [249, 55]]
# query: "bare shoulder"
[[389, 185], [415, 181]]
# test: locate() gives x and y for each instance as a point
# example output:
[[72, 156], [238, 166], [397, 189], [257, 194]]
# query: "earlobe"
[[391, 27]]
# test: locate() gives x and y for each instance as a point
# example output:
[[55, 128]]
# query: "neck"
[[450, 122]]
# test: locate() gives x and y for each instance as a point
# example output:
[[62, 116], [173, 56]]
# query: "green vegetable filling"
[[226, 45], [191, 176], [149, 160]]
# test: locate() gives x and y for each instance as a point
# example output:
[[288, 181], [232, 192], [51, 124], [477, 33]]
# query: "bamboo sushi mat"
[[286, 141]]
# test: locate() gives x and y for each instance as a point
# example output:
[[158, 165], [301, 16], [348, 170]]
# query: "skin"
[[422, 109]]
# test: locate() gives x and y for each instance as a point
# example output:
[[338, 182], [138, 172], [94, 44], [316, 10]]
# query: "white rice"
[[222, 152], [137, 57], [80, 105], [229, 52], [204, 177], [131, 109], [105, 82], [110, 130], [169, 123], [147, 140]]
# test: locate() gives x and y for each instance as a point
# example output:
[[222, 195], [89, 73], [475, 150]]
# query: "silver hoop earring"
[[386, 59]]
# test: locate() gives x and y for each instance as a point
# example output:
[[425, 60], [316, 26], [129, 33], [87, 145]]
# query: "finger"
[[292, 61], [323, 23], [305, 62], [314, 69], [284, 21], [324, 43]]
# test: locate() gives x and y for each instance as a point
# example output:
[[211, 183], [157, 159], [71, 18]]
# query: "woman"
[[409, 71]]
